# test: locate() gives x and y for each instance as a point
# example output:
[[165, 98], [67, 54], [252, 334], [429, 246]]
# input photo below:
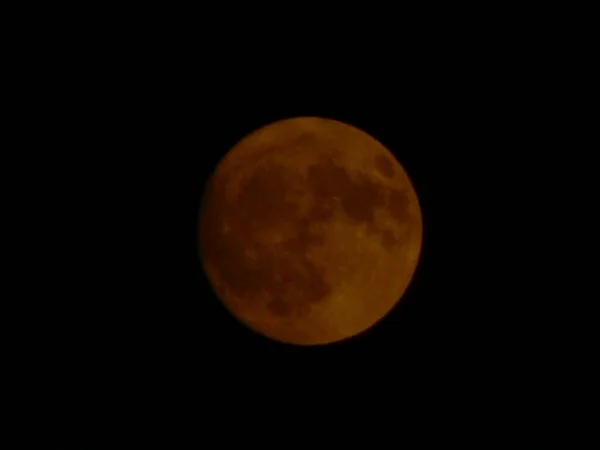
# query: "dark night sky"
[[478, 130]]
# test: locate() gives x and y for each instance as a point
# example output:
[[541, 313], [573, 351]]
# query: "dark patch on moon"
[[322, 210], [360, 204], [301, 242], [388, 240], [263, 198], [305, 139], [279, 308], [398, 204], [262, 203], [328, 180], [384, 166], [357, 198]]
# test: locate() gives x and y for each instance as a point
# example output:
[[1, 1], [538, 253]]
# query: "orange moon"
[[310, 231]]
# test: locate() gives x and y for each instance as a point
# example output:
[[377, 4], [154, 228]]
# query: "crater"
[[384, 166]]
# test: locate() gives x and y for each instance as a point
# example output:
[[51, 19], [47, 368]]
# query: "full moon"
[[310, 231]]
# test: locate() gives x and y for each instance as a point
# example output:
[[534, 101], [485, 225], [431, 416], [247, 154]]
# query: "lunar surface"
[[310, 231]]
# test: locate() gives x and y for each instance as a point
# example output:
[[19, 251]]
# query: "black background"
[[137, 338]]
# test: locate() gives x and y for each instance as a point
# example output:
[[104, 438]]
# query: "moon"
[[310, 231]]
